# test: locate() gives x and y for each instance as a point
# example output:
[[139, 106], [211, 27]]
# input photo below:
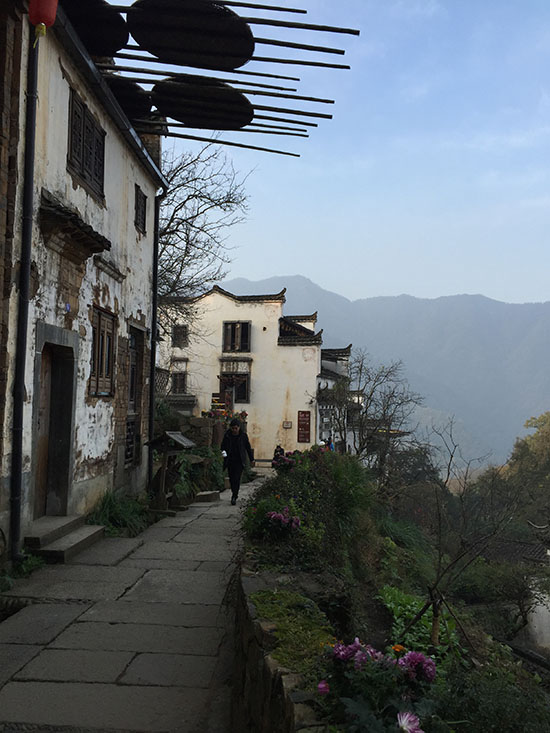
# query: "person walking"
[[236, 445]]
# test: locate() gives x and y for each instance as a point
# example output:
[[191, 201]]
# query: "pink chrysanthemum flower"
[[323, 687], [409, 723]]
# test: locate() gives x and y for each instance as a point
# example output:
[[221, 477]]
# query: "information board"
[[304, 426]]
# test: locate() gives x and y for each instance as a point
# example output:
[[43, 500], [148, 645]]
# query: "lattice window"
[[180, 336], [179, 383], [238, 385], [236, 335], [86, 157], [103, 354], [132, 450], [140, 219]]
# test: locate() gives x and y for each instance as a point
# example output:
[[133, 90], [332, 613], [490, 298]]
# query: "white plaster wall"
[[131, 253], [283, 379]]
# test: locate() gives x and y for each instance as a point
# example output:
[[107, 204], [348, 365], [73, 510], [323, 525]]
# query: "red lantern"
[[43, 12]]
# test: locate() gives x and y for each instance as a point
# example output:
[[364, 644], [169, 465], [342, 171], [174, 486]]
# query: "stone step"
[[46, 530], [62, 549], [207, 496]]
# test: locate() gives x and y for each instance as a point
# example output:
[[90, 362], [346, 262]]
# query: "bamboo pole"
[[300, 26], [233, 3], [229, 143], [252, 92], [135, 47], [285, 119], [178, 74], [301, 46], [152, 123]]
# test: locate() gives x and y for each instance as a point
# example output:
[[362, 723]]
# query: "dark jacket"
[[237, 448]]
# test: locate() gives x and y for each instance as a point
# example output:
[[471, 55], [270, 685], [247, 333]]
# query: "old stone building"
[[78, 194], [242, 352]]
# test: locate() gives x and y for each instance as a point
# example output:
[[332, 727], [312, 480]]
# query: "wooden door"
[[43, 428]]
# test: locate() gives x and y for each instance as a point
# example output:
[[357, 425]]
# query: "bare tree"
[[205, 199], [372, 407]]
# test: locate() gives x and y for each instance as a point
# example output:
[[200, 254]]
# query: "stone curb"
[[266, 696]]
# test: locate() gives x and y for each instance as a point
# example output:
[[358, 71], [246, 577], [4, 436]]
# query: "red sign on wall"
[[304, 426]]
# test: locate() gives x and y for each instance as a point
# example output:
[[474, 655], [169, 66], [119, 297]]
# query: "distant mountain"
[[483, 361]]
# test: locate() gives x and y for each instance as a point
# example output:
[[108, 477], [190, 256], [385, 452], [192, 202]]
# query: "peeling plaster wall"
[[64, 292], [283, 379]]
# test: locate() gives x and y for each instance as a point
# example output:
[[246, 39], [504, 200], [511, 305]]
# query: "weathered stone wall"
[[266, 696], [10, 86]]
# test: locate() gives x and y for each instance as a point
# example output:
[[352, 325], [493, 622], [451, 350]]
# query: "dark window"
[[236, 336], [103, 354], [135, 382], [140, 219], [132, 446], [86, 145], [180, 336], [179, 383], [238, 385]]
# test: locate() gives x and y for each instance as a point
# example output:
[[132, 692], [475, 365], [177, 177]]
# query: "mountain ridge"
[[479, 359]]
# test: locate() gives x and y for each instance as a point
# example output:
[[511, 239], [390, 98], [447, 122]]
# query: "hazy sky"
[[433, 177]]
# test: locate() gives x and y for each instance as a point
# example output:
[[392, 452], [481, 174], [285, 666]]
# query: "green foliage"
[[329, 490], [23, 569], [195, 476], [302, 630], [368, 689], [283, 539], [404, 608], [120, 515], [165, 418], [27, 565], [496, 698]]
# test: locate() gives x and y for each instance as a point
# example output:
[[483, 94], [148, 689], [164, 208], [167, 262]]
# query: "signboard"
[[287, 424], [304, 426]]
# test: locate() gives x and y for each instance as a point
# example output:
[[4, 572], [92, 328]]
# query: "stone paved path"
[[133, 635]]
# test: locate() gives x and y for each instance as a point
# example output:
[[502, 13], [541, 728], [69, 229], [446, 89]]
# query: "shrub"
[[372, 691], [120, 514], [329, 489], [404, 608]]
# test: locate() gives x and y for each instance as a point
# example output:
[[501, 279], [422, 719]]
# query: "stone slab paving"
[[104, 707], [108, 551], [14, 657], [39, 624], [140, 638], [150, 563], [184, 587], [163, 614], [132, 636], [76, 666], [170, 670]]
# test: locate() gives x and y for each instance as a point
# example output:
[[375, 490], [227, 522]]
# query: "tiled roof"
[[336, 354], [329, 374], [312, 318], [294, 334], [271, 297]]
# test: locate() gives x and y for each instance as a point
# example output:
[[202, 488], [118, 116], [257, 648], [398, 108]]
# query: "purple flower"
[[323, 687], [418, 666], [409, 723]]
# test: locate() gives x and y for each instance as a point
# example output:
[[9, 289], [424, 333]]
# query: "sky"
[[432, 178]]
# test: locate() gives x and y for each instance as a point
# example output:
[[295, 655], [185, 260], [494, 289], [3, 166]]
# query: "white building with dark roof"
[[242, 351]]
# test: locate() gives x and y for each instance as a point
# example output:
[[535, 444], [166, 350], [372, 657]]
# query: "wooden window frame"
[[140, 214], [103, 361], [180, 336], [236, 336], [243, 379], [181, 378], [86, 152]]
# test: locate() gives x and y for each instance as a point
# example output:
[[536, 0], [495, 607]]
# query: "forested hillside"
[[483, 361]]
